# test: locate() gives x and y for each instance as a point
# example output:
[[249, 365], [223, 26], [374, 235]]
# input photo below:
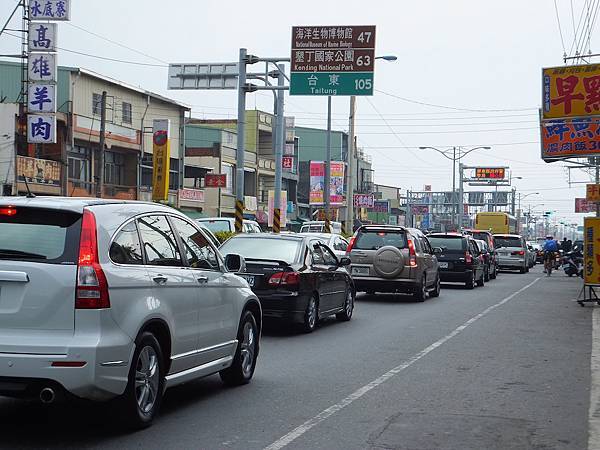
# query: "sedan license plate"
[[360, 271], [443, 265], [249, 279]]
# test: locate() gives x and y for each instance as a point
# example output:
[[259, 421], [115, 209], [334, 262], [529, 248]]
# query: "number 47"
[[365, 36]]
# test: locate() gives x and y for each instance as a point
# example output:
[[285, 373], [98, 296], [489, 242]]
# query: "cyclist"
[[550, 248]]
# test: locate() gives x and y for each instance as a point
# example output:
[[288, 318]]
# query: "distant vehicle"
[[496, 222], [487, 258], [460, 259], [512, 252], [388, 258], [107, 299], [537, 250], [335, 242], [488, 237], [531, 255], [218, 224], [318, 226], [210, 235], [296, 277]]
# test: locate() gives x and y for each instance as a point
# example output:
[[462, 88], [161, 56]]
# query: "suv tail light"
[[8, 211], [351, 244], [468, 258], [284, 279], [92, 287], [518, 252], [412, 255]]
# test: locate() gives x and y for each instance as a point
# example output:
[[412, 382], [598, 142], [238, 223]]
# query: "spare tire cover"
[[388, 262]]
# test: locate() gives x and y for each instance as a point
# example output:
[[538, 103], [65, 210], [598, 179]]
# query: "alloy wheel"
[[147, 375], [248, 348]]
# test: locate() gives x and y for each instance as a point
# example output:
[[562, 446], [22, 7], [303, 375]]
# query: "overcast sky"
[[480, 60]]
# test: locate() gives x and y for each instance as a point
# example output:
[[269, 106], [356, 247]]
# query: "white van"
[[318, 226]]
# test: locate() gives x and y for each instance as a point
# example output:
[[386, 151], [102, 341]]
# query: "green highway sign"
[[331, 83], [332, 60]]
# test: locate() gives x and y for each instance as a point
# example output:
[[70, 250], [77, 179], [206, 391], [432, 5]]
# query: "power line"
[[562, 41]]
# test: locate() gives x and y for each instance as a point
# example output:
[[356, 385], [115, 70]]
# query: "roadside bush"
[[222, 236]]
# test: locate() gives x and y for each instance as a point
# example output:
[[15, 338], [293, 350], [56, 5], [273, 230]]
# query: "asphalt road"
[[506, 366]]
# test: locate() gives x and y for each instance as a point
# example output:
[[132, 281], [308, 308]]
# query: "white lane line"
[[306, 426], [594, 414]]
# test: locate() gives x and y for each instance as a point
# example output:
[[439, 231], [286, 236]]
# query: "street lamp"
[[454, 158], [351, 156]]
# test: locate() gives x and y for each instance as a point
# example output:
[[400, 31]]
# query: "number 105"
[[362, 84]]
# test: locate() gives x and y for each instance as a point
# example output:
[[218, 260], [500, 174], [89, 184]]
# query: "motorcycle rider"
[[566, 245], [550, 248]]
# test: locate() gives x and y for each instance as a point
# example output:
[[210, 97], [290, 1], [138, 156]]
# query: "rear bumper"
[[377, 284], [25, 364], [456, 277], [285, 306], [516, 263]]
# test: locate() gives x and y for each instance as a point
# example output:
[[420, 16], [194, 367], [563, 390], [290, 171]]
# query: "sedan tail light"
[[351, 244], [518, 252], [92, 287], [284, 279]]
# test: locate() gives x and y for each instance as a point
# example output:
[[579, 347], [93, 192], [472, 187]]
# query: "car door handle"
[[202, 279], [160, 279]]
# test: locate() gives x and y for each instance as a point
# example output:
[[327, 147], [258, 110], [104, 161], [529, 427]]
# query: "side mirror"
[[235, 263], [437, 250], [345, 261]]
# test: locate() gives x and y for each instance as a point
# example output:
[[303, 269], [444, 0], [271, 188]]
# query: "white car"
[[217, 224], [110, 299], [335, 242]]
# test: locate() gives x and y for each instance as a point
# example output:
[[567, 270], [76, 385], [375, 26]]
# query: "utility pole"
[[454, 199], [100, 184], [279, 144], [461, 205], [241, 141], [350, 176], [327, 187]]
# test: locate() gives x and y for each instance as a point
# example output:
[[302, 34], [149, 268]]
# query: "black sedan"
[[296, 277]]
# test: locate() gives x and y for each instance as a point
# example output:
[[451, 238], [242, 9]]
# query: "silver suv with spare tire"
[[394, 259]]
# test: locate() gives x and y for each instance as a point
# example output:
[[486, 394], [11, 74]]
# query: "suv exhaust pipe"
[[47, 395]]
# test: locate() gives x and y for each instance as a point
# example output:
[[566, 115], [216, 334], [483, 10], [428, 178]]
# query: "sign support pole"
[[327, 187], [350, 176], [461, 205], [279, 144], [241, 142]]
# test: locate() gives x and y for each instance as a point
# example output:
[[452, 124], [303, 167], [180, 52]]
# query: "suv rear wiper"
[[4, 252]]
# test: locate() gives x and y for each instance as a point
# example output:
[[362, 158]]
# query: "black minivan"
[[460, 260]]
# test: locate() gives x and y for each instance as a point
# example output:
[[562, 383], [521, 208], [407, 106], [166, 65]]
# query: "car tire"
[[486, 273], [494, 274], [346, 314], [141, 400], [420, 293], [437, 288], [242, 368], [470, 283], [522, 270], [311, 315], [481, 281]]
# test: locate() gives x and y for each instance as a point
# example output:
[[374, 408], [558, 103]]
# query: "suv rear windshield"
[[375, 239], [481, 236], [448, 242], [508, 241], [40, 235]]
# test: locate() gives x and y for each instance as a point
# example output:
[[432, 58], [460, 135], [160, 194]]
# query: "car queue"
[[121, 300]]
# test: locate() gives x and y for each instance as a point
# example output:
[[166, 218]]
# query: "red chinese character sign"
[[572, 91], [215, 180], [568, 138], [287, 163], [490, 173]]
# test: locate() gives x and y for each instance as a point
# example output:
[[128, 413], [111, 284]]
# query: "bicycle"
[[549, 258]]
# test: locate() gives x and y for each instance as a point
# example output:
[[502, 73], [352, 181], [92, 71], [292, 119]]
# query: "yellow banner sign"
[[161, 154], [592, 192], [591, 251], [572, 91]]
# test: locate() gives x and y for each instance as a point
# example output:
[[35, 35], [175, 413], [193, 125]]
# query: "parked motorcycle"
[[572, 262]]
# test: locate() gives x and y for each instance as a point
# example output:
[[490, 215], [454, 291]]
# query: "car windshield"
[[448, 242], [39, 235], [375, 239], [263, 248], [508, 241], [311, 229], [480, 235], [216, 225]]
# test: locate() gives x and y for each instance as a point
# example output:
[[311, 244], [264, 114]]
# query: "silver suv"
[[394, 259], [117, 300]]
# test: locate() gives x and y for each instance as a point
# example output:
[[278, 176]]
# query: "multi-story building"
[[259, 150], [70, 166]]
